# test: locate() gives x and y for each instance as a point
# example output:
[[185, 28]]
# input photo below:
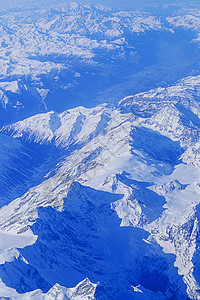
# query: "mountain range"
[[99, 198]]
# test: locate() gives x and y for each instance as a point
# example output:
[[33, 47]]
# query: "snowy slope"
[[22, 165], [136, 165], [70, 55], [34, 38], [48, 51], [84, 290]]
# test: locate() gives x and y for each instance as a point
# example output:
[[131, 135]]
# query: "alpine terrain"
[[99, 152]]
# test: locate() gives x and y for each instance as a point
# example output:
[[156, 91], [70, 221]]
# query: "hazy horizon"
[[121, 4]]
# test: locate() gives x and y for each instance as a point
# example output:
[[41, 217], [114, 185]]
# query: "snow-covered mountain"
[[84, 290], [120, 207], [99, 193], [65, 56], [55, 47]]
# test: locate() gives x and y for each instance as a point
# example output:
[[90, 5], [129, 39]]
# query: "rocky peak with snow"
[[134, 165], [99, 201]]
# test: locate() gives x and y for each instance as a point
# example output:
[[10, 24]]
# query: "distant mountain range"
[[99, 198], [55, 59]]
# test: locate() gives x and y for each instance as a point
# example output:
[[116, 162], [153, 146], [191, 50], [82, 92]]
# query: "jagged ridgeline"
[[99, 190], [129, 173], [62, 56]]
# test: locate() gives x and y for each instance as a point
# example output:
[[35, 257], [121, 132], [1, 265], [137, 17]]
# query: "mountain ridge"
[[129, 152]]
